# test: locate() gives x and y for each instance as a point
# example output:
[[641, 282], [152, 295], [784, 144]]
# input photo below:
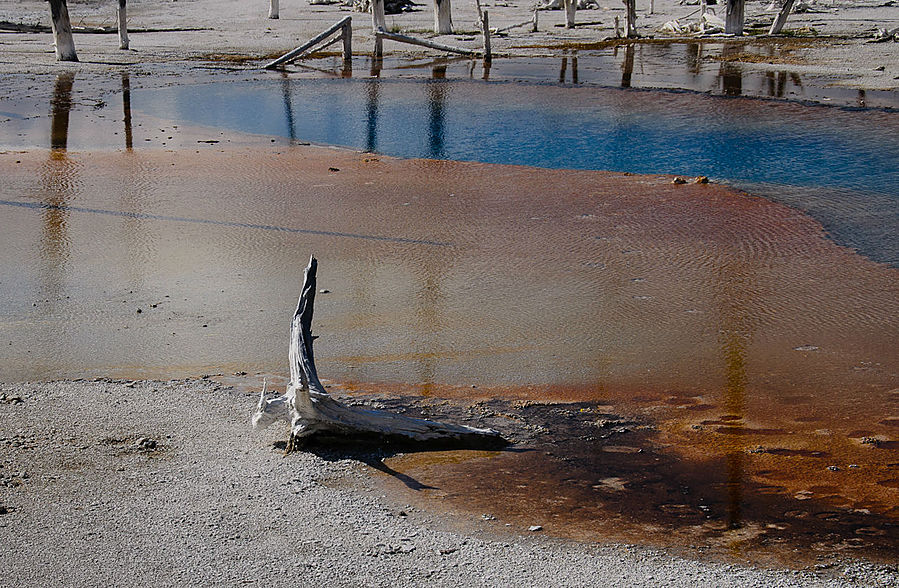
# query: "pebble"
[[535, 528]]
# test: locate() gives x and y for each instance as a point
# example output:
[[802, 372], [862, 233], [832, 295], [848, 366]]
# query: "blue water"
[[840, 165]]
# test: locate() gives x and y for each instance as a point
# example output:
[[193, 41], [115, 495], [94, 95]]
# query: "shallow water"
[[760, 352]]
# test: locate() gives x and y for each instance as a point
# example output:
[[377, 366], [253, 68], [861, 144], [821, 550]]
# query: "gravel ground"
[[835, 33], [155, 483]]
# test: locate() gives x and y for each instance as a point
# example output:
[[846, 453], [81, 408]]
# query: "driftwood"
[[344, 25], [421, 42], [310, 410]]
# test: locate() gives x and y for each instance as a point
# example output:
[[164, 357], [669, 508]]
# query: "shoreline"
[[169, 476]]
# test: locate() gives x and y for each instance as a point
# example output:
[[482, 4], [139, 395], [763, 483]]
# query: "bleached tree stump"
[[443, 18], [122, 17], [734, 16], [781, 19], [62, 31], [310, 410], [274, 10], [630, 18]]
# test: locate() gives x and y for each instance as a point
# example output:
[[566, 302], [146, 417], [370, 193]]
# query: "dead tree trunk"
[[122, 15], [630, 18], [781, 19], [733, 20], [273, 9], [310, 410], [570, 9], [443, 18], [62, 31]]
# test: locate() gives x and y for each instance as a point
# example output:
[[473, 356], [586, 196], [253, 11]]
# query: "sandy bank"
[[163, 483]]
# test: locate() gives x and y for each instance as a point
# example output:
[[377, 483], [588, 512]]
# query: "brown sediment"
[[751, 359]]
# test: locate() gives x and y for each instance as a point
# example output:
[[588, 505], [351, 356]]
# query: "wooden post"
[[480, 12], [703, 8], [570, 9], [485, 25], [534, 28], [779, 22], [733, 20], [652, 6], [62, 31], [378, 23], [273, 9], [630, 18], [617, 28], [347, 34], [443, 18], [122, 17]]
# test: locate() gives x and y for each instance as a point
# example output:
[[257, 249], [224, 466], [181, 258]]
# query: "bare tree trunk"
[[630, 18], [570, 9], [781, 19], [310, 410], [733, 21], [274, 9], [122, 15], [443, 18], [62, 31]]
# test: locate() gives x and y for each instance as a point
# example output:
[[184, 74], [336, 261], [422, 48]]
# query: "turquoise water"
[[840, 165]]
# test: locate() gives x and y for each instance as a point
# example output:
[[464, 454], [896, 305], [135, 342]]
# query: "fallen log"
[[310, 410]]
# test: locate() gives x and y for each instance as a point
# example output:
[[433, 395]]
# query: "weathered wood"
[[62, 31], [443, 18], [733, 20], [347, 35], [122, 18], [781, 19], [311, 45], [570, 10], [422, 43], [485, 28], [534, 27], [274, 9], [630, 18], [310, 410], [378, 20]]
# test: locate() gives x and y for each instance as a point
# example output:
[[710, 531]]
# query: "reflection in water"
[[627, 66], [372, 93], [288, 107], [56, 187], [60, 105], [436, 111], [126, 108], [733, 301], [730, 72], [694, 58]]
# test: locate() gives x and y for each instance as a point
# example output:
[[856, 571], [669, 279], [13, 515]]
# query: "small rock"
[[833, 468], [678, 181], [488, 517], [701, 180], [146, 444], [333, 169], [139, 311], [3, 510], [324, 291], [535, 528]]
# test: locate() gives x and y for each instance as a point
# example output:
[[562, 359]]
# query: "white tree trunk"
[[122, 15], [309, 409], [630, 18], [733, 21], [779, 22], [443, 18], [570, 10], [273, 9], [62, 31]]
